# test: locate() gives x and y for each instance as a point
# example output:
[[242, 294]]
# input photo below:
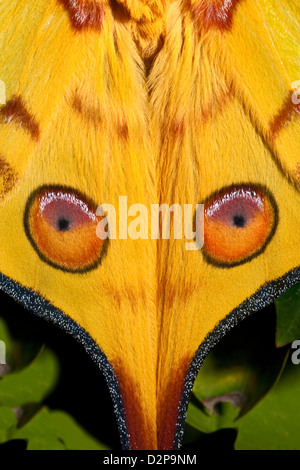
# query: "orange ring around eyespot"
[[227, 244], [72, 244]]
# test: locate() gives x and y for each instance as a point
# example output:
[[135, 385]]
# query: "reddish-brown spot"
[[141, 431], [286, 114], [133, 295], [207, 111], [8, 177], [217, 104], [16, 111], [120, 13], [84, 14], [90, 113], [122, 129], [168, 406], [177, 128], [217, 14], [179, 293]]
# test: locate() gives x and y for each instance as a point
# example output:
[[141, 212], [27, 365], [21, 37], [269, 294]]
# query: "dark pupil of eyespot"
[[239, 220], [63, 224]]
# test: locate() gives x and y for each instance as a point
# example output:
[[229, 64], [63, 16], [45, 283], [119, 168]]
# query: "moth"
[[164, 102]]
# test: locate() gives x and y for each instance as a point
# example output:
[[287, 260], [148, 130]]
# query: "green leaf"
[[56, 430], [40, 433], [207, 422], [274, 424], [8, 423], [72, 435], [30, 376], [32, 384], [237, 374], [288, 316]]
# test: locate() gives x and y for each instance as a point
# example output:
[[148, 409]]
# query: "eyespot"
[[61, 226], [239, 222]]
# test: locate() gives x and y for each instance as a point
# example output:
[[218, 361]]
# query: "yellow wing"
[[84, 90], [222, 125], [161, 102]]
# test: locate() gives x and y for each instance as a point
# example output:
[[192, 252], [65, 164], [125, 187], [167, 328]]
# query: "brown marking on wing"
[[168, 405], [139, 426], [206, 112], [175, 293], [120, 13], [8, 177], [88, 113], [178, 128], [92, 114], [138, 10], [84, 14], [286, 114], [122, 129], [214, 14], [216, 104], [134, 296], [15, 111]]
